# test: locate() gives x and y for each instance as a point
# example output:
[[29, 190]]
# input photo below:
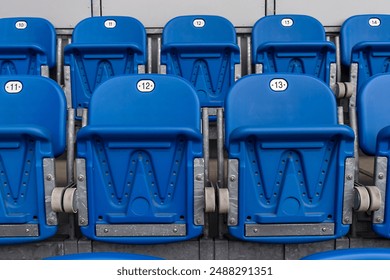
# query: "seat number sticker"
[[374, 22], [13, 87], [145, 86], [278, 84], [110, 23], [199, 23], [287, 22], [21, 24]]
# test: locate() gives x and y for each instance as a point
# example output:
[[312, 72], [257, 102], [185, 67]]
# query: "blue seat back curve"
[[373, 105], [202, 49], [101, 48], [292, 44], [32, 127], [352, 254], [104, 256], [140, 157], [364, 39], [291, 155], [26, 44]]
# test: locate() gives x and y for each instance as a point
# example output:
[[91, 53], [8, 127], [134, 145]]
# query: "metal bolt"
[[349, 177], [175, 230], [199, 177], [105, 230], [379, 220], [198, 220], [50, 221], [80, 178], [324, 229], [346, 220], [27, 230], [381, 175], [232, 221], [82, 221], [255, 230], [232, 178], [49, 177]]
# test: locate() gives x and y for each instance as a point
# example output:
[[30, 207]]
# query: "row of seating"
[[204, 50], [107, 46], [140, 167], [141, 163]]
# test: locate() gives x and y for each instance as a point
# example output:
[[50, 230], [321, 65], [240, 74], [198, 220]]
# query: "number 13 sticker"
[[278, 84]]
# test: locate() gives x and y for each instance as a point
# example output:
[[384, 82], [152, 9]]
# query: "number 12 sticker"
[[145, 85]]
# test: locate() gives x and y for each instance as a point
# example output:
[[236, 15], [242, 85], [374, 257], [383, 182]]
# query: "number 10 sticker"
[[145, 85], [278, 84]]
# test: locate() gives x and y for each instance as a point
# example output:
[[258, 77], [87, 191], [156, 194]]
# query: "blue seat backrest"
[[373, 107], [306, 102], [292, 44], [26, 44], [202, 49], [32, 127], [150, 109], [144, 170], [364, 39], [282, 131], [101, 48], [39, 104]]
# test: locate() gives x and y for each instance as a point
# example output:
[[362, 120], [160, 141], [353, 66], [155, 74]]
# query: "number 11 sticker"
[[13, 87]]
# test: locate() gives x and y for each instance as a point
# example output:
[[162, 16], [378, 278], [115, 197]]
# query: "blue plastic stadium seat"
[[101, 48], [292, 44], [104, 256], [365, 40], [373, 103], [26, 44], [32, 134], [202, 49], [352, 254], [139, 161], [287, 160]]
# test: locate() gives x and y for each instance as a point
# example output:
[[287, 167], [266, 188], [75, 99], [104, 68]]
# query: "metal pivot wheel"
[[223, 200], [375, 198], [69, 202], [209, 197], [56, 199], [362, 199]]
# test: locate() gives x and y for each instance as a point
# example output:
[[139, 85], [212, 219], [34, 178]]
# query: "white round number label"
[[145, 85], [374, 22], [13, 87], [199, 23], [21, 24], [287, 22], [110, 23], [278, 84]]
